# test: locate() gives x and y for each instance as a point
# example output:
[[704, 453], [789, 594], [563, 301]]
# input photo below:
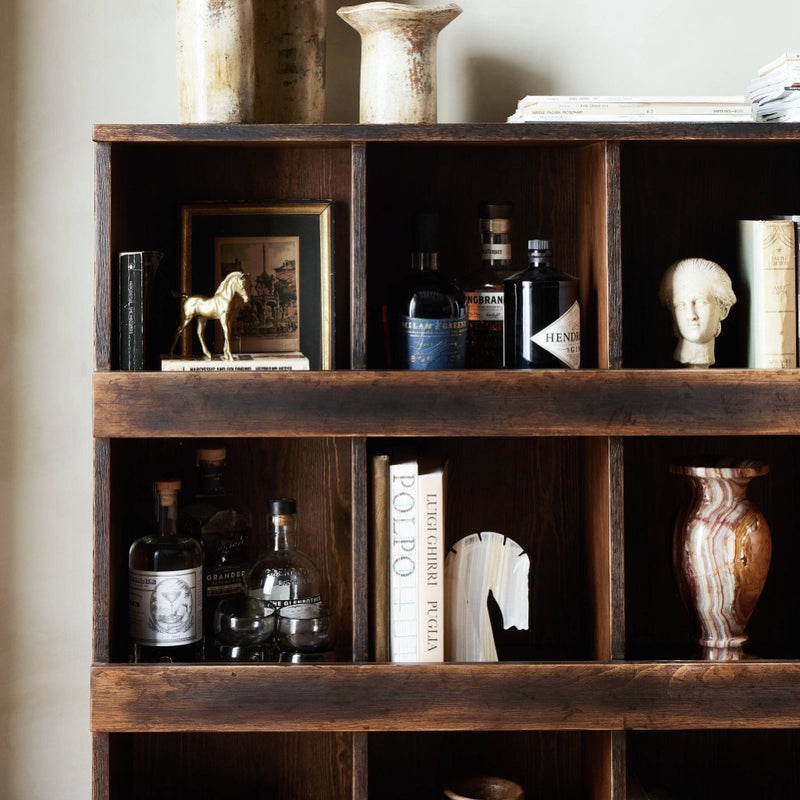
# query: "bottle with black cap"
[[428, 309], [283, 575], [542, 327]]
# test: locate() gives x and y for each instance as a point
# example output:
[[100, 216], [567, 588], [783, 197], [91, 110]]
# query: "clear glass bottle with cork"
[[165, 596]]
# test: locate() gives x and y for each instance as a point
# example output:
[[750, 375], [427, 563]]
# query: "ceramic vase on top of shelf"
[[398, 59], [215, 61], [289, 50], [722, 551]]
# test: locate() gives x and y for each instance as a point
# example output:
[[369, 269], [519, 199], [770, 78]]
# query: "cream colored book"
[[768, 292], [431, 540], [403, 562]]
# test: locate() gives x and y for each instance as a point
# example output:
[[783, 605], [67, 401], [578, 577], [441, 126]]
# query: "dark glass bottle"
[[542, 315], [484, 293], [283, 575], [214, 518], [428, 312], [165, 575]]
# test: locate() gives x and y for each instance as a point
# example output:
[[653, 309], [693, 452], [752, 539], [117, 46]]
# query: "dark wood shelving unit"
[[605, 693]]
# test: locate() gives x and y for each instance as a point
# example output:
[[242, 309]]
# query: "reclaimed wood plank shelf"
[[604, 694]]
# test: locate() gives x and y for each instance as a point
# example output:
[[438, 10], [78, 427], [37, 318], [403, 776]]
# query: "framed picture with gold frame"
[[286, 249]]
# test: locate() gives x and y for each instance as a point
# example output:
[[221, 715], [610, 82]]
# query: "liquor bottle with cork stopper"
[[542, 315], [165, 596], [428, 311], [484, 293], [284, 575]]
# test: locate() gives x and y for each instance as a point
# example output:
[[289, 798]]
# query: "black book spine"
[[136, 270]]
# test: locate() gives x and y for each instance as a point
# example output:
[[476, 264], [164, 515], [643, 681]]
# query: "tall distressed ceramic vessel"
[[216, 68], [722, 551], [290, 38], [398, 59]]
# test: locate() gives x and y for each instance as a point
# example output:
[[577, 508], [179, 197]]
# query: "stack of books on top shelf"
[[604, 108], [775, 91]]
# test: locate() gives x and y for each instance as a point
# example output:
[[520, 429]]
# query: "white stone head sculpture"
[[699, 295]]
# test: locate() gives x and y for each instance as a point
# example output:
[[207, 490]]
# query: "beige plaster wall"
[[66, 65]]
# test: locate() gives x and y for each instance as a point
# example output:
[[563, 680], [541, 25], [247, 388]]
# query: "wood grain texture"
[[462, 132], [102, 256], [493, 403], [226, 765], [383, 697]]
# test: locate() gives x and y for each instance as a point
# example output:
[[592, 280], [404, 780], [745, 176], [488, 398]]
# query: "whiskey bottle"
[[429, 315], [224, 529], [542, 315], [165, 573], [283, 575], [484, 293]]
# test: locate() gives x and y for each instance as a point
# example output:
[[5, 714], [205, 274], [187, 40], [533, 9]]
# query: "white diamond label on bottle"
[[562, 337]]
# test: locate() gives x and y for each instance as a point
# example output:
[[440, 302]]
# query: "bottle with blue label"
[[429, 313]]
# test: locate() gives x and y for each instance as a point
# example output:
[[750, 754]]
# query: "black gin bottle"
[[542, 315], [484, 293], [428, 312], [165, 597]]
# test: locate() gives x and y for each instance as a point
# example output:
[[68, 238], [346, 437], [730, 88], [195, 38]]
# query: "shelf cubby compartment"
[[658, 625], [317, 472], [692, 764], [682, 199]]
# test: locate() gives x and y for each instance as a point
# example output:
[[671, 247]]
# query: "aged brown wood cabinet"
[[605, 695]]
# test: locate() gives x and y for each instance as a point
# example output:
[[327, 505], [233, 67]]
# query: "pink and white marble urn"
[[722, 551]]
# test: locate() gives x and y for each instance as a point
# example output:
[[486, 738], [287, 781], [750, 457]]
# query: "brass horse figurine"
[[216, 307]]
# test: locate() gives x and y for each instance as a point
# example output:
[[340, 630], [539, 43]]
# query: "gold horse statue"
[[216, 307]]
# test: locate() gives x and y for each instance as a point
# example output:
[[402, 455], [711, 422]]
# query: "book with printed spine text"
[[768, 292], [407, 515]]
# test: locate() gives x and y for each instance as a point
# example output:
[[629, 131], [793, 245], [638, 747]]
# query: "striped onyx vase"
[[722, 550]]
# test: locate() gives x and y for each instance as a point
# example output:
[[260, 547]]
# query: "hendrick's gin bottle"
[[542, 315]]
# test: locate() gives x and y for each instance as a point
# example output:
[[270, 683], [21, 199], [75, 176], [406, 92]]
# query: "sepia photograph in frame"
[[286, 250]]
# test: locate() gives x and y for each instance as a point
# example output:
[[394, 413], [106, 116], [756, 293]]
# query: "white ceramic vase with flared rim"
[[215, 61], [398, 59], [722, 552]]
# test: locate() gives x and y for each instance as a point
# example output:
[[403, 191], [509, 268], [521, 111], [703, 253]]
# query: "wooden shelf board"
[[458, 403], [533, 133], [387, 697]]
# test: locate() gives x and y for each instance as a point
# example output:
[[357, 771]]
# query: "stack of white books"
[[776, 90], [632, 108]]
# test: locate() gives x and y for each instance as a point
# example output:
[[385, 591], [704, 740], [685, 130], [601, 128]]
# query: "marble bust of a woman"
[[699, 295]]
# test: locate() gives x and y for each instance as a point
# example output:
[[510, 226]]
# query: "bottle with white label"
[[542, 328], [283, 575], [165, 588], [484, 293]]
